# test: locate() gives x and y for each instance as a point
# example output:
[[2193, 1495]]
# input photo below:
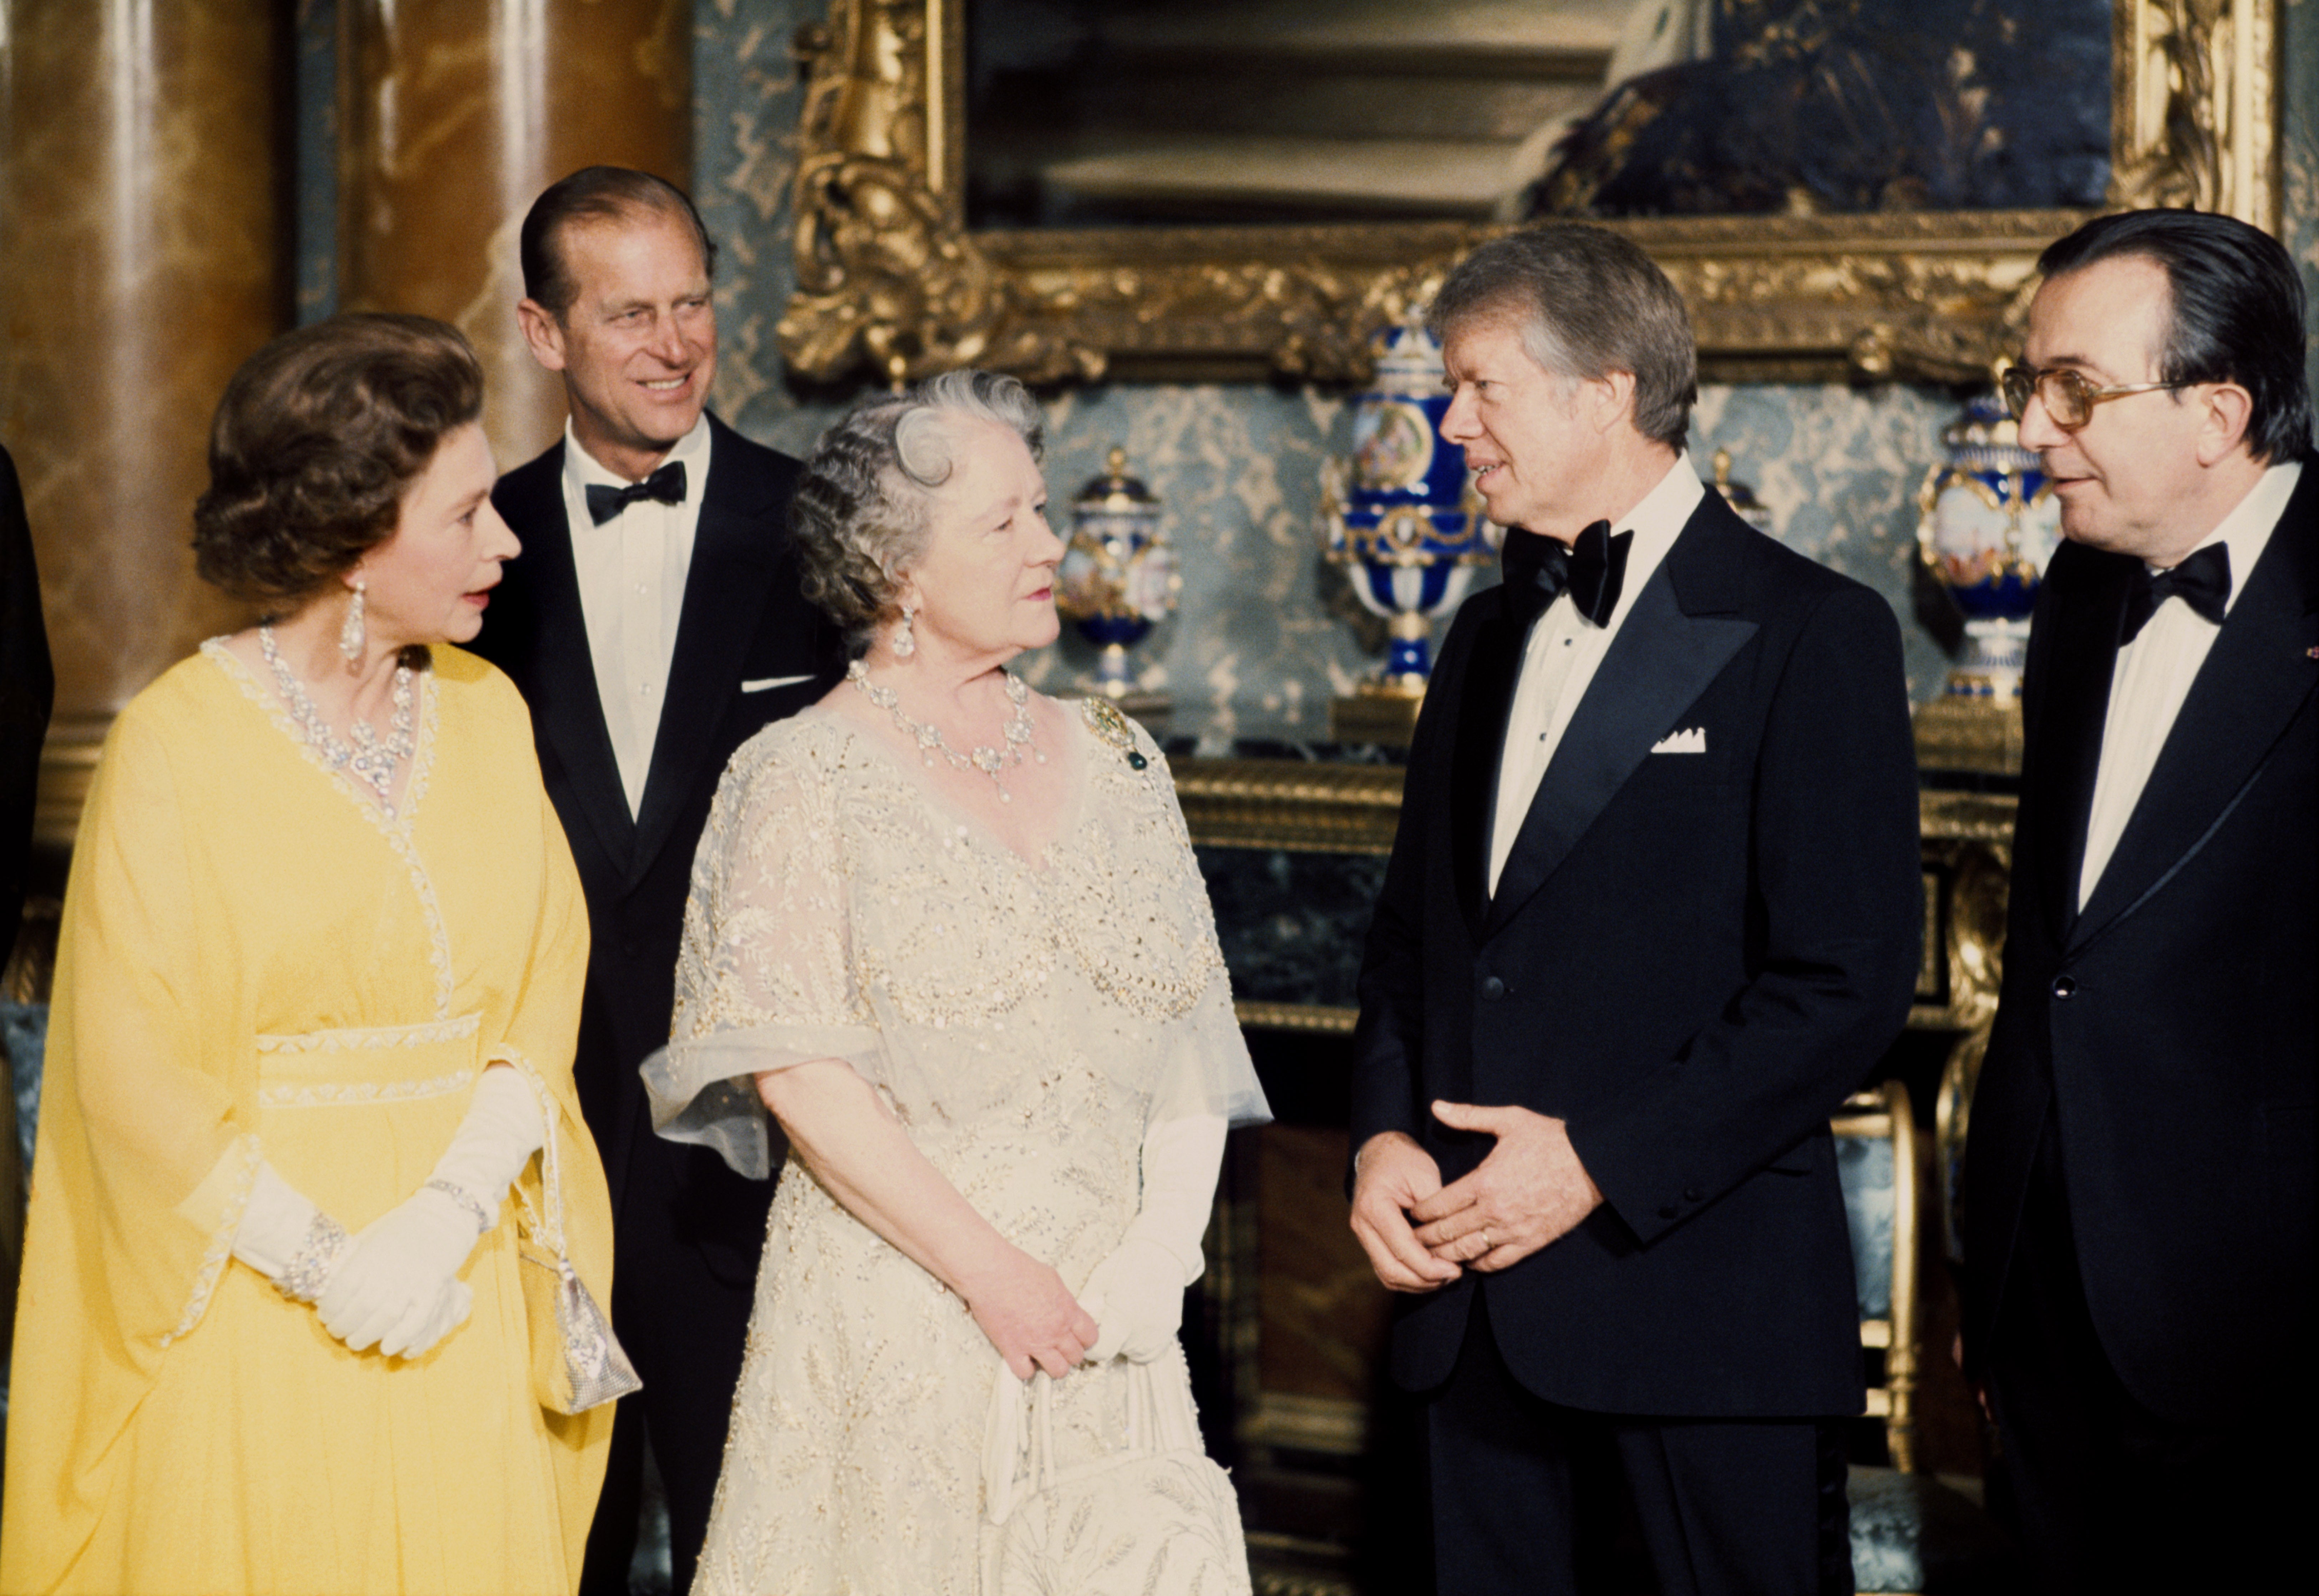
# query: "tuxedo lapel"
[[1486, 696], [1676, 639], [2259, 674], [571, 723], [2086, 614], [733, 557]]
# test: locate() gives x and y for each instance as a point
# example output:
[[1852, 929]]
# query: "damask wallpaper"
[[1267, 634]]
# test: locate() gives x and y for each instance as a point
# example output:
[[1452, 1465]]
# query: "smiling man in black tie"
[[1653, 910], [654, 625], [2138, 1192]]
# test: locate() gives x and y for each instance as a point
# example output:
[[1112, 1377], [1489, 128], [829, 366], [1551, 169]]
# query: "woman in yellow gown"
[[320, 967]]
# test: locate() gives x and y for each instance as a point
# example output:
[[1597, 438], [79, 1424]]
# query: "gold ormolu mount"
[[1384, 711]]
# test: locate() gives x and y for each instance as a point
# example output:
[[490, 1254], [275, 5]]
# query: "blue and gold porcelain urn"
[[1989, 522], [1118, 579], [1402, 519]]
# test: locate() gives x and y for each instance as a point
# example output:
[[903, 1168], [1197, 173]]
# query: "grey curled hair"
[[860, 512]]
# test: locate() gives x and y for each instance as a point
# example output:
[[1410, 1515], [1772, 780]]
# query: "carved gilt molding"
[[889, 278], [2193, 106]]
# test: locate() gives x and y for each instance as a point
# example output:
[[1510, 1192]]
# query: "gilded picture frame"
[[891, 282]]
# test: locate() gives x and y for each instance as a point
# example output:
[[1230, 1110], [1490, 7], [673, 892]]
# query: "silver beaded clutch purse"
[[577, 1362]]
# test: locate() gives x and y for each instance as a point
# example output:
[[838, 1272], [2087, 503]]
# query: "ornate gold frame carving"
[[888, 278]]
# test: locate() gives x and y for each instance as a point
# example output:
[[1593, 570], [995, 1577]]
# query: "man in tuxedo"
[[654, 625], [2138, 1193], [1652, 912]]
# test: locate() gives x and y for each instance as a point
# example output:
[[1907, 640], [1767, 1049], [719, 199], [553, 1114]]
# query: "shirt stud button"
[[1493, 988]]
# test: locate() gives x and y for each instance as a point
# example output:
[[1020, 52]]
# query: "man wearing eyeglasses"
[[2138, 1193]]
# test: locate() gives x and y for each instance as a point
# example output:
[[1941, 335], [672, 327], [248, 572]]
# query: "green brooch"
[[1112, 727]]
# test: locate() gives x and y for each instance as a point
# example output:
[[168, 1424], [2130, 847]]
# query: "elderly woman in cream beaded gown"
[[950, 933]]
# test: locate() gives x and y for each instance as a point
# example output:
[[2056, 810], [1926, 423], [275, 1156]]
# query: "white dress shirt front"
[[1565, 650], [632, 572], [2153, 674]]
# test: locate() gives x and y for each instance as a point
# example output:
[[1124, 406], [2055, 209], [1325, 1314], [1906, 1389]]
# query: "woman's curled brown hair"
[[318, 436]]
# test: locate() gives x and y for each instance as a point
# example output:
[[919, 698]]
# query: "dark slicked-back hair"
[[318, 438], [1587, 303], [2234, 314], [596, 194]]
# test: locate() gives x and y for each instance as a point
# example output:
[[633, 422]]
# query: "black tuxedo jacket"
[[743, 621], [2171, 1030], [1692, 958]]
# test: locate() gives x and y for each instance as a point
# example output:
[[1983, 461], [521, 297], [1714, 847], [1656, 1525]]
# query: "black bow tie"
[[1537, 568], [2203, 581], [666, 484]]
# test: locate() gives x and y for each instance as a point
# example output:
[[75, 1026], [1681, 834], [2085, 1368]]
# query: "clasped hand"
[[1131, 1307], [1030, 1316], [1421, 1235], [399, 1288]]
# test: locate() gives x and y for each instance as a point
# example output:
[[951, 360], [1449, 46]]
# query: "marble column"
[[453, 115], [143, 257]]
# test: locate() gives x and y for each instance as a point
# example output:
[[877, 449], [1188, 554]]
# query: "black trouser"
[[1526, 1495], [2109, 1496], [683, 1322]]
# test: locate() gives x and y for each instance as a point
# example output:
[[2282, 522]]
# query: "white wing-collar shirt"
[[1565, 649], [632, 572], [2153, 673]]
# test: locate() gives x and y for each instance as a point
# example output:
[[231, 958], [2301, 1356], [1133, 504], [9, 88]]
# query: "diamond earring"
[[904, 642], [351, 635]]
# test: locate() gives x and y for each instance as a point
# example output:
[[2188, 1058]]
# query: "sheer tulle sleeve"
[[1210, 1073], [765, 976]]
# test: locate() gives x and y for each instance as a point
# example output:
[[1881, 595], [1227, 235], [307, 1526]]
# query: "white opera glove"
[[1136, 1299], [286, 1238], [493, 1143], [398, 1289], [1136, 1295]]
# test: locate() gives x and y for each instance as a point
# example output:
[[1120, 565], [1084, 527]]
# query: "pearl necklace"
[[369, 757], [993, 762]]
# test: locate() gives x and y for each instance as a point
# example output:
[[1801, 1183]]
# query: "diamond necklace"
[[370, 757], [993, 762]]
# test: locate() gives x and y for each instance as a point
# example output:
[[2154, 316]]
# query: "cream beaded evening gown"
[[1027, 1020]]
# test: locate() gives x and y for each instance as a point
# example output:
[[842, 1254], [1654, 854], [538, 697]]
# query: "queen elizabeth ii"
[[949, 934]]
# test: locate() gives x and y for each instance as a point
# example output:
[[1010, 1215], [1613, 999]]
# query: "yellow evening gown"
[[257, 962]]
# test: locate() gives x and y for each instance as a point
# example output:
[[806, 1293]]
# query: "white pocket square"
[[766, 683], [1693, 740]]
